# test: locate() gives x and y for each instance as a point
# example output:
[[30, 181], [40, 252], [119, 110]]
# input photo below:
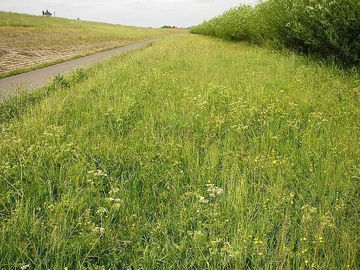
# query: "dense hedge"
[[329, 28]]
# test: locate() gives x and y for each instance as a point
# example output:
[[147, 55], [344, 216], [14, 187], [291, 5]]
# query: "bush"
[[328, 28], [322, 27], [232, 25]]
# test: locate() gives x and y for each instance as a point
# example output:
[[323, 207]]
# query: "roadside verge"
[[39, 78]]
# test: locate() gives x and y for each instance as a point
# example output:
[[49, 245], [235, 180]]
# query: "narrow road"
[[40, 77]]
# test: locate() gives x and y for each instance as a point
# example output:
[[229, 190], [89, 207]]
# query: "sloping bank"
[[193, 153]]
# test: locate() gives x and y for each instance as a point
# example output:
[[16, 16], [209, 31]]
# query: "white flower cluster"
[[99, 229], [203, 200], [97, 173], [101, 211], [213, 192], [109, 199]]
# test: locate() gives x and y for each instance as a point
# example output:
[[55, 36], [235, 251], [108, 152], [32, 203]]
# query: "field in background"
[[30, 41], [191, 153]]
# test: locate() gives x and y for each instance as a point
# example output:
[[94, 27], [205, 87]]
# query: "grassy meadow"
[[40, 31], [190, 153]]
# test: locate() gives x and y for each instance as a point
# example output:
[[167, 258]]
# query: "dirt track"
[[39, 78]]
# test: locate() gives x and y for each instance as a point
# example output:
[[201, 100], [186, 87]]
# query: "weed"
[[60, 81]]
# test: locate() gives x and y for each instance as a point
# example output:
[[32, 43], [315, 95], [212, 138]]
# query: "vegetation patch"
[[328, 29], [192, 153]]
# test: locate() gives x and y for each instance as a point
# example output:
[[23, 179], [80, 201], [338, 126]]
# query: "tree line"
[[327, 28]]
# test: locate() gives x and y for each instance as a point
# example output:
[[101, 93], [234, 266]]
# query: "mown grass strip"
[[191, 153]]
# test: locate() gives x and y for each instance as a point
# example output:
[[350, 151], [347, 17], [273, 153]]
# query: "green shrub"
[[326, 28], [232, 25]]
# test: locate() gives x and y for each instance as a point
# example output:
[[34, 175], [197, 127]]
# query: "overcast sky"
[[147, 13]]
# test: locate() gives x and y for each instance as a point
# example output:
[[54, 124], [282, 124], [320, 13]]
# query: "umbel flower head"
[[214, 191]]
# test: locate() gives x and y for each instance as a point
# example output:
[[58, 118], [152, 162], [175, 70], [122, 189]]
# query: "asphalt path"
[[41, 77]]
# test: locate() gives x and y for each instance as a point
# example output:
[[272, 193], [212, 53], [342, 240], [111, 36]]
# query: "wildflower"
[[114, 190], [101, 211], [307, 207], [100, 173], [219, 191], [26, 266], [99, 229], [203, 200], [214, 191]]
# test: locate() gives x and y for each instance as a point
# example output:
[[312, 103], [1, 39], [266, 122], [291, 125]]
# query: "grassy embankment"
[[193, 153], [59, 39]]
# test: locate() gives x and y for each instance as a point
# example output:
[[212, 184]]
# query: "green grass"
[[191, 153], [39, 31]]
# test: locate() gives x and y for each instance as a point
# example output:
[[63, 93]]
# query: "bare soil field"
[[14, 58]]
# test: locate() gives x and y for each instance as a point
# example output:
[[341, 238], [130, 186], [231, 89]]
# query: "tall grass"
[[324, 28], [192, 153]]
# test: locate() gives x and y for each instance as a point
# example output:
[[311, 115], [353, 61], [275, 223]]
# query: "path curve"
[[39, 78]]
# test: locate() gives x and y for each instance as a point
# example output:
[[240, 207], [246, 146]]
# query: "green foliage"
[[192, 153], [59, 81], [17, 105], [321, 27], [327, 27]]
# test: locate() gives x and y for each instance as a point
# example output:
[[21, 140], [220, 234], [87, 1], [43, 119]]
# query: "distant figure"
[[46, 13]]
